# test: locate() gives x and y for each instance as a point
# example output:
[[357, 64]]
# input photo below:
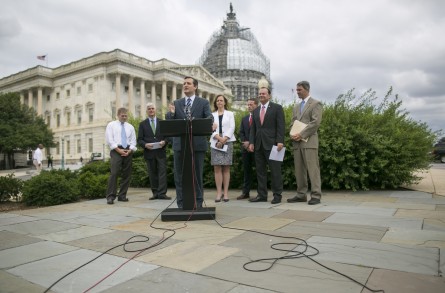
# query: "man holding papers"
[[150, 139], [267, 130], [306, 118]]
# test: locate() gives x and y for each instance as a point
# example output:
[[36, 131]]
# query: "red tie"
[[263, 111], [250, 120]]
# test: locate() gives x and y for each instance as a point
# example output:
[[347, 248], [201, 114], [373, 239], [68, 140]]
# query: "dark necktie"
[[250, 120], [187, 108]]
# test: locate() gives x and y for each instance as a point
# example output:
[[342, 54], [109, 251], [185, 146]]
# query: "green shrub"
[[93, 185], [50, 188], [96, 168], [10, 187], [139, 175]]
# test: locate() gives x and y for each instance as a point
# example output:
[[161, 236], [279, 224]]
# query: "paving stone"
[[395, 282], [135, 242], [13, 284], [370, 220], [359, 232], [188, 256], [39, 227], [73, 234], [431, 201], [257, 223], [434, 225], [358, 210], [103, 220], [304, 215], [440, 207], [420, 214], [415, 237], [294, 275], [10, 239], [399, 205], [411, 194], [16, 256], [15, 219], [378, 255], [170, 280], [85, 277]]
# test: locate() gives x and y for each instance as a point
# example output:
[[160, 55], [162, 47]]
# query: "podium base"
[[184, 215]]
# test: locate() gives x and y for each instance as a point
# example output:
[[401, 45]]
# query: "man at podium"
[[188, 108]]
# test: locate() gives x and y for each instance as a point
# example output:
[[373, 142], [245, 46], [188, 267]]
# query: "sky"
[[335, 45]]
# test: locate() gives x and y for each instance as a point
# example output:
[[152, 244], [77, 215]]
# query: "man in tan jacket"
[[308, 111]]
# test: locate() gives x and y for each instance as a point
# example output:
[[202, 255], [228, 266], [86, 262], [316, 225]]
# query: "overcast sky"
[[335, 45]]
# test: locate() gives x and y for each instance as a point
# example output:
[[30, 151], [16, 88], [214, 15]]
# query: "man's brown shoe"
[[243, 196], [297, 199]]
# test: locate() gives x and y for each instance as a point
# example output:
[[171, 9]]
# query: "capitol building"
[[78, 99]]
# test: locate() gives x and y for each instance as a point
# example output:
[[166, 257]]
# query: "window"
[[68, 93], [79, 147], [57, 148], [57, 96], [126, 89], [90, 144], [68, 118], [113, 86], [79, 117], [48, 120], [90, 87], [58, 120], [90, 114], [48, 98], [79, 90], [68, 146]]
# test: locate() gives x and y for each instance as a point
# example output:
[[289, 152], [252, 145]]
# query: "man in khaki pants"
[[308, 111]]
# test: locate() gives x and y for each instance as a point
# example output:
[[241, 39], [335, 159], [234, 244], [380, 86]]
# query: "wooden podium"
[[186, 129]]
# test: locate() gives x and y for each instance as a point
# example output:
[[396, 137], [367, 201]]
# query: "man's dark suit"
[[248, 157], [199, 109], [263, 137], [156, 159]]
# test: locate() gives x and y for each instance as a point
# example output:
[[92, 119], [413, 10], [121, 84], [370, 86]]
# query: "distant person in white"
[[37, 158]]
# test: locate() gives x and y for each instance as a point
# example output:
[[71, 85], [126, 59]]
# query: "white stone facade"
[[78, 99]]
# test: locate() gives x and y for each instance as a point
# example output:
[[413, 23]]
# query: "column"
[[164, 94], [118, 91], [143, 98], [39, 101], [30, 98], [207, 96], [153, 92], [22, 98], [130, 95], [174, 91]]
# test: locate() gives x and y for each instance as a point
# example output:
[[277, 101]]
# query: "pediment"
[[198, 72]]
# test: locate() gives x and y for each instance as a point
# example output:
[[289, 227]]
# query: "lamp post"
[[63, 155]]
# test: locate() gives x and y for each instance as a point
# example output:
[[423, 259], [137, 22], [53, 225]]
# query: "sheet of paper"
[[276, 155], [155, 145], [298, 127], [213, 146]]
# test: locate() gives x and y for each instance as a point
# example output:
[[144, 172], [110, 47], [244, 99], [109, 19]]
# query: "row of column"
[[30, 100]]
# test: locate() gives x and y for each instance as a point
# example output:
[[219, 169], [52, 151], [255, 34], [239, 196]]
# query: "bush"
[[51, 188], [93, 185], [364, 146], [10, 187], [96, 168]]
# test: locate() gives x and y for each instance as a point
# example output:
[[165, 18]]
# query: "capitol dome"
[[234, 56]]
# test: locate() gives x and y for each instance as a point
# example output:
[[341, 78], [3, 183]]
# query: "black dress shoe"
[[122, 199], [225, 199], [314, 201], [258, 199], [110, 201], [243, 196], [296, 199], [276, 199], [153, 197], [164, 197]]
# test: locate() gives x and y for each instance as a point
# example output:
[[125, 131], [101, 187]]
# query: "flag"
[[42, 57]]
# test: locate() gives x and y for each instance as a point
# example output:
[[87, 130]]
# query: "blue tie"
[[301, 106], [123, 137]]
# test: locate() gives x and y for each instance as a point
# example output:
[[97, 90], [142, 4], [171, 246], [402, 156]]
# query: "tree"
[[20, 128]]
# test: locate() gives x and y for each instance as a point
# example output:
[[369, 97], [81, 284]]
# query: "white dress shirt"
[[113, 135]]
